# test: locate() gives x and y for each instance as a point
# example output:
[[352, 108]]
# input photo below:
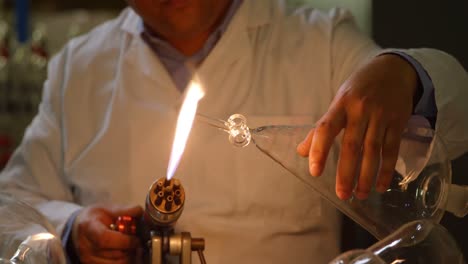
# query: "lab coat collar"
[[233, 46]]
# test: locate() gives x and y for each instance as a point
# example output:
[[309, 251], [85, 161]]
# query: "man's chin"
[[185, 31]]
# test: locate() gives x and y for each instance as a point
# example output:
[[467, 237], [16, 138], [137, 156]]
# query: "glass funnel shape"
[[417, 242], [419, 188], [26, 236]]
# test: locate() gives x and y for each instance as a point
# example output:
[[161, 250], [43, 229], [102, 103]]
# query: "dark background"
[[435, 24], [413, 24]]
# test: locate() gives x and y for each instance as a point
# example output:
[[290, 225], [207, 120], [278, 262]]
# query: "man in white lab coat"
[[104, 129]]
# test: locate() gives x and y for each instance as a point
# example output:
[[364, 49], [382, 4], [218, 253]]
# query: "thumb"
[[134, 211]]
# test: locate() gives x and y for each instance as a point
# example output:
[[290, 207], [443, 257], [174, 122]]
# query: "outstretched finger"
[[371, 154], [323, 137], [390, 150], [349, 156]]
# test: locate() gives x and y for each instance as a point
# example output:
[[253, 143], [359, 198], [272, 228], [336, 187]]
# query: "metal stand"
[[180, 245]]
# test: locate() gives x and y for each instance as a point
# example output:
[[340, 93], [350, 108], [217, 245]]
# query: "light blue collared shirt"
[[177, 64], [426, 105]]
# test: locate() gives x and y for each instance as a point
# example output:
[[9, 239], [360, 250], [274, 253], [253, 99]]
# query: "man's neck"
[[191, 45]]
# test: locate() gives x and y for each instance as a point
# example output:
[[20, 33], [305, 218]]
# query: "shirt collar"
[[165, 50]]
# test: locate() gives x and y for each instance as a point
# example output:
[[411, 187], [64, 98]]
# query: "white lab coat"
[[107, 120]]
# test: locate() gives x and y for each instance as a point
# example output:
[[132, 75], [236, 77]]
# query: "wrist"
[[68, 240], [409, 75]]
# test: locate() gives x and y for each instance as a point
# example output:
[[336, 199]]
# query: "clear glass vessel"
[[418, 242], [420, 186], [26, 236]]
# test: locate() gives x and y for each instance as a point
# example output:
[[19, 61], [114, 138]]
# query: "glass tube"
[[418, 242]]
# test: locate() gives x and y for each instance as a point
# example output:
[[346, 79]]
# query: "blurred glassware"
[[78, 24], [17, 91], [65, 25], [6, 148], [4, 64], [38, 60], [5, 140], [26, 236], [28, 73], [419, 189], [418, 242]]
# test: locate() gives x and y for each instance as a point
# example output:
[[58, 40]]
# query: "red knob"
[[125, 224]]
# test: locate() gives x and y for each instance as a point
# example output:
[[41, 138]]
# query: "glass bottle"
[[418, 242], [42, 248], [26, 236], [419, 189]]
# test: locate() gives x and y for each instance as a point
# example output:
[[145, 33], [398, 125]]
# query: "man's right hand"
[[95, 242]]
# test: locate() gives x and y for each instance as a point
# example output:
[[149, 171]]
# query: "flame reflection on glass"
[[184, 125]]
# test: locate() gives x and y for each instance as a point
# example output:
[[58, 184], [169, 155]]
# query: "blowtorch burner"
[[163, 207], [164, 203]]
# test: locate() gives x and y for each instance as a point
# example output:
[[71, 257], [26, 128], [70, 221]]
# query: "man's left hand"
[[372, 106]]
